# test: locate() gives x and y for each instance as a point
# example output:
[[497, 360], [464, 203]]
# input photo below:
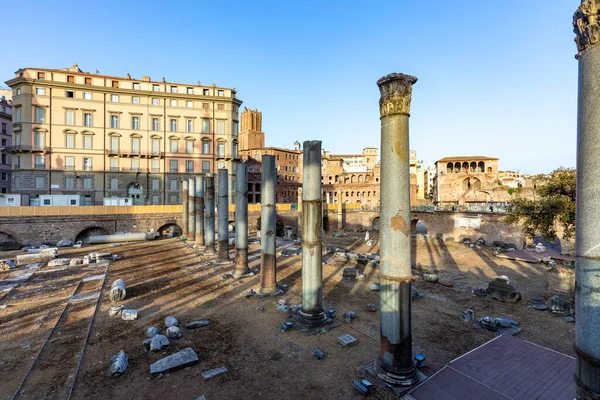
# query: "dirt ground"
[[166, 277]]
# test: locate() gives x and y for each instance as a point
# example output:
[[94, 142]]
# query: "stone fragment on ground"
[[7, 264], [468, 315], [157, 343], [175, 361], [129, 314], [174, 332], [84, 297], [197, 324], [115, 311], [118, 364], [211, 373], [559, 305], [350, 273], [171, 321], [151, 332], [347, 340], [502, 289], [64, 243], [117, 291], [75, 261], [431, 278], [349, 316], [371, 307], [374, 287], [446, 281]]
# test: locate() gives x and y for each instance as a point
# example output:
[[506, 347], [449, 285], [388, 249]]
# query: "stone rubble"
[[174, 332], [118, 364], [197, 324], [129, 314], [211, 373], [117, 291], [171, 321]]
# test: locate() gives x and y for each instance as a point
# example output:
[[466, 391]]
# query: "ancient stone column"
[[340, 212], [209, 214], [185, 203], [199, 237], [223, 211], [192, 209], [312, 312], [395, 362], [268, 227], [241, 220], [587, 236], [299, 199]]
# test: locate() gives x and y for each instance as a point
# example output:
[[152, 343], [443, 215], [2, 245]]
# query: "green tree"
[[553, 205]]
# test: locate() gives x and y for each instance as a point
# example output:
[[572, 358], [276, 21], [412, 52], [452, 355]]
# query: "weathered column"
[[587, 235], [199, 237], [241, 220], [340, 212], [312, 312], [268, 227], [299, 199], [327, 197], [185, 204], [223, 211], [209, 214], [395, 362], [192, 209]]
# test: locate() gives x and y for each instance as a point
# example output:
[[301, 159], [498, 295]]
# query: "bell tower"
[[251, 135]]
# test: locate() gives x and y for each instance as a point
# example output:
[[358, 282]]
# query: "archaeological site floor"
[[166, 277]]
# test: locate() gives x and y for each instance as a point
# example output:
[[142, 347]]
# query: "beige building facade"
[[5, 141], [104, 136]]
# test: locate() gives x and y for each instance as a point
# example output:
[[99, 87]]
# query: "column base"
[[311, 324], [241, 263], [391, 382], [270, 291]]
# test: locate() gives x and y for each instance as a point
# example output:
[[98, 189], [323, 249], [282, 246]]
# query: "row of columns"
[[395, 363], [198, 215]]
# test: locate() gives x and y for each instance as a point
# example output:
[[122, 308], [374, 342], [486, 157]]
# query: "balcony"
[[40, 166], [133, 153], [134, 169], [23, 148]]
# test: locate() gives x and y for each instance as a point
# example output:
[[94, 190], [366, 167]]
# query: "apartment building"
[[5, 141], [106, 136]]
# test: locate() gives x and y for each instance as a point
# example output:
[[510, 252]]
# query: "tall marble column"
[[209, 214], [312, 312], [241, 220], [192, 209], [268, 226], [223, 210], [587, 236], [185, 204], [395, 362], [340, 212], [199, 237]]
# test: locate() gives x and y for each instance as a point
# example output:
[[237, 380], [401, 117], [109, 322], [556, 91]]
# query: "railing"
[[481, 208], [40, 166], [27, 148], [88, 168], [134, 153], [69, 168], [134, 169]]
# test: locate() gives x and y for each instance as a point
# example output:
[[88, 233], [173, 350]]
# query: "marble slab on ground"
[[178, 360], [84, 297]]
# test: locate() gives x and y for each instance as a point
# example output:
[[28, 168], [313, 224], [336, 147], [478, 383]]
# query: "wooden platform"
[[506, 367]]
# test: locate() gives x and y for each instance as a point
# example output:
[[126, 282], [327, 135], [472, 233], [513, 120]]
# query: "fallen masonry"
[[347, 340], [178, 360], [211, 373]]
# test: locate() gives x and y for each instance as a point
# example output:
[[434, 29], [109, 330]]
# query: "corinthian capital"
[[396, 92], [586, 25]]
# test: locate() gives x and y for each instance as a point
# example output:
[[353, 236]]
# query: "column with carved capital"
[[587, 237], [395, 363]]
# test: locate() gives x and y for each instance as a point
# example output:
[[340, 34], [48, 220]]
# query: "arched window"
[[489, 169], [473, 167], [465, 167], [456, 168], [361, 179], [481, 166], [450, 167]]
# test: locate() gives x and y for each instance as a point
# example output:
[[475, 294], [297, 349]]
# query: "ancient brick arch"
[[9, 240], [85, 234]]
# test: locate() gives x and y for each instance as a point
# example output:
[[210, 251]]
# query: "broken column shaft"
[[395, 362], [192, 209], [340, 213], [199, 236], [223, 210], [185, 205], [587, 277], [209, 214], [241, 220], [312, 312], [268, 227]]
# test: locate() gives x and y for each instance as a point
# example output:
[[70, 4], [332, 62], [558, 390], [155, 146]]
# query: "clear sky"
[[496, 78]]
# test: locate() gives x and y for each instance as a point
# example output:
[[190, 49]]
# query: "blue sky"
[[496, 78]]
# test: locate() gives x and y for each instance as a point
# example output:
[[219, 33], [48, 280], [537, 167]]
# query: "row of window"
[[136, 85], [40, 163], [114, 98], [40, 118]]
